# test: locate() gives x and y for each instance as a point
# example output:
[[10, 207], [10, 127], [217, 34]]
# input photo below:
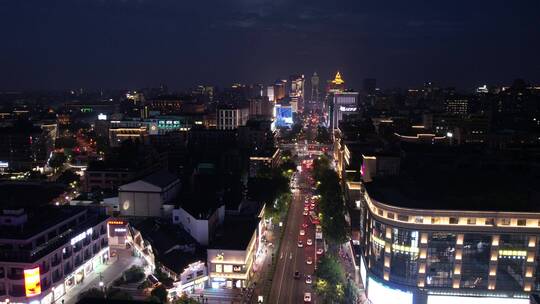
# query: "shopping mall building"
[[46, 252], [429, 243]]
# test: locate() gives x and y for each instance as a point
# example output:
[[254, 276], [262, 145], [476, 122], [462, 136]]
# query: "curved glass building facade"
[[434, 256]]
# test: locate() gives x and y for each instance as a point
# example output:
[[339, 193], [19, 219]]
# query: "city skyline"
[[128, 44]]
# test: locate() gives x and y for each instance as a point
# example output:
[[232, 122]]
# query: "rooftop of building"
[[200, 207], [173, 246], [236, 233], [39, 220], [161, 178], [16, 194], [459, 179]]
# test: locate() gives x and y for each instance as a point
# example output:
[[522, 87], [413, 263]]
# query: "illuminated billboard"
[[284, 116], [381, 294], [433, 299], [32, 282]]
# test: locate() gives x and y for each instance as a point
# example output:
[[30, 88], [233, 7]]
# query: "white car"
[[320, 251], [305, 212], [308, 279], [309, 242], [302, 232], [300, 244], [309, 261], [307, 297]]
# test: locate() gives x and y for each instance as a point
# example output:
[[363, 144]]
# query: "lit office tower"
[[270, 93], [280, 89], [457, 106], [315, 87], [296, 91], [343, 104]]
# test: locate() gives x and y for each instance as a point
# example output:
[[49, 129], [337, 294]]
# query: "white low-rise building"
[[147, 196]]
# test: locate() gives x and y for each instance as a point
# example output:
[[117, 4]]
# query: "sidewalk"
[[107, 273], [346, 259], [264, 262]]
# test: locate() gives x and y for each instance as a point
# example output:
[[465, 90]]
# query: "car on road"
[[320, 251], [309, 260], [306, 208], [308, 279], [305, 225], [300, 244], [302, 232], [307, 297], [305, 212], [297, 274], [309, 242], [312, 207]]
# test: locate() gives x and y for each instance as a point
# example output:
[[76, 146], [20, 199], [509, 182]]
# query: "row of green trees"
[[271, 185], [331, 205], [332, 283]]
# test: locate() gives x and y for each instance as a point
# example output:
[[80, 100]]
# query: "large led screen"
[[381, 294], [284, 116], [32, 282], [473, 300]]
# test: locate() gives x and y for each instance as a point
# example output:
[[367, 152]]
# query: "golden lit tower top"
[[338, 80]]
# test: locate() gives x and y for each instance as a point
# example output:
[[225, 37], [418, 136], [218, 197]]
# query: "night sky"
[[57, 44]]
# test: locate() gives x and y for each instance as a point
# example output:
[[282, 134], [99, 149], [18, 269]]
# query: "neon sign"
[[81, 236], [347, 109]]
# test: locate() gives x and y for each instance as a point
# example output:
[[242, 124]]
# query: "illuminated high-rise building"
[[336, 85], [296, 92], [315, 87], [280, 90]]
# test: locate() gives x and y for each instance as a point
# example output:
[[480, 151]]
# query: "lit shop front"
[[78, 276], [117, 232], [194, 278], [231, 268]]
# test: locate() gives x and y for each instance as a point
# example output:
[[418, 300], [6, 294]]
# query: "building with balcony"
[[451, 233], [46, 252]]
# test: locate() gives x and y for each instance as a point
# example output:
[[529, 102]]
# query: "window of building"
[[471, 221], [219, 268], [440, 259], [521, 222], [380, 212], [505, 221], [419, 220], [475, 260], [403, 218], [390, 215], [453, 220], [490, 221], [435, 220], [227, 268]]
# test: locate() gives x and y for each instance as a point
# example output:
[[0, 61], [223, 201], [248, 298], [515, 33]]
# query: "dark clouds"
[[132, 43]]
